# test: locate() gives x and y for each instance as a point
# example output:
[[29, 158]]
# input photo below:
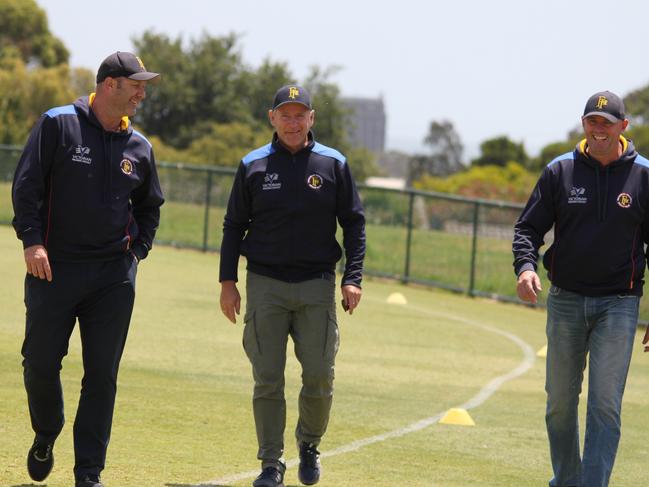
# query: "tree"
[[200, 86], [499, 151], [637, 105], [331, 114], [26, 94], [24, 33], [446, 147], [446, 157]]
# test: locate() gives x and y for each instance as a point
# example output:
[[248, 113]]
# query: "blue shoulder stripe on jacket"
[[562, 157], [323, 150], [257, 154], [64, 110], [142, 137], [643, 161]]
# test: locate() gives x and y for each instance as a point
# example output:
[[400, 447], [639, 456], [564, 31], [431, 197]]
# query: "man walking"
[[87, 202], [286, 200], [597, 198]]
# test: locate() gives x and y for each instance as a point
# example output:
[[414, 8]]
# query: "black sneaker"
[[309, 470], [40, 460], [88, 481], [271, 476]]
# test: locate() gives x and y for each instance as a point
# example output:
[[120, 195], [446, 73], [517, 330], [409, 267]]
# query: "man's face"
[[292, 123], [603, 136], [127, 95]]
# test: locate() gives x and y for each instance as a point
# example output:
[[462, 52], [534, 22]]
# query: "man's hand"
[[230, 300], [528, 286], [37, 262], [351, 297]]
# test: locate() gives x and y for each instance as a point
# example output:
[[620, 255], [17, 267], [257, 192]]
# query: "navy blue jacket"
[[85, 193], [601, 223], [282, 215]]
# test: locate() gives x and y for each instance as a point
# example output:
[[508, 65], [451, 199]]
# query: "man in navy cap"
[[286, 202], [596, 197], [86, 199]]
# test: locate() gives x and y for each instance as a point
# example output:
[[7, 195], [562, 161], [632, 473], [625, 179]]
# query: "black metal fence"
[[433, 239]]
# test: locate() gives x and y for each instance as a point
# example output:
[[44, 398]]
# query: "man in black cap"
[[87, 202], [286, 200], [597, 198]]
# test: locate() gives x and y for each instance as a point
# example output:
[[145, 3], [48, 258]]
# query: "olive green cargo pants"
[[306, 311]]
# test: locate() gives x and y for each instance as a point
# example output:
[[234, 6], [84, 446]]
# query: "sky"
[[518, 68]]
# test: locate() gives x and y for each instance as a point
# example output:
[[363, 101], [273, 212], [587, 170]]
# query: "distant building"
[[367, 123]]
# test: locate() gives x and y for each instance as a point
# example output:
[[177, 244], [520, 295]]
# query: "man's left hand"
[[351, 297]]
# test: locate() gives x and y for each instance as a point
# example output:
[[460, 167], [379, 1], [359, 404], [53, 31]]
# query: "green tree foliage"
[[637, 105], [511, 182], [499, 151], [24, 33], [640, 137], [446, 153], [26, 94], [200, 85]]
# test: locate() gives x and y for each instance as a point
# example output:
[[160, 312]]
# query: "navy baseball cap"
[[124, 64], [607, 105], [292, 94]]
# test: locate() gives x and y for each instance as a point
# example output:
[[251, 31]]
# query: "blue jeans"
[[605, 328]]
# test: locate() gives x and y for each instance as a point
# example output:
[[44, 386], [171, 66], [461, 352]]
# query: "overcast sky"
[[500, 67]]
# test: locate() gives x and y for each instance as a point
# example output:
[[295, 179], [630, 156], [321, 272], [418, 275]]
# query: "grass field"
[[183, 413]]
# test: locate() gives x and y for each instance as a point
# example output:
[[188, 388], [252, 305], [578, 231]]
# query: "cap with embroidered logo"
[[124, 64], [605, 104], [291, 94]]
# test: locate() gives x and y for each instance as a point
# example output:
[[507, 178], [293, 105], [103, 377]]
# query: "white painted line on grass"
[[485, 393]]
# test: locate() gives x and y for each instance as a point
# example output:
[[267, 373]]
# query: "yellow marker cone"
[[457, 416], [397, 298], [543, 352]]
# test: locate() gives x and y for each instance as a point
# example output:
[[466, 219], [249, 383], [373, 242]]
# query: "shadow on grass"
[[29, 485]]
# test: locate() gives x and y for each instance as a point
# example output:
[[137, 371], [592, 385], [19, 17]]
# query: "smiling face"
[[126, 95], [292, 122], [603, 137]]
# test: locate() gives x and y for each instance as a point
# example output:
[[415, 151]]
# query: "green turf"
[[183, 411]]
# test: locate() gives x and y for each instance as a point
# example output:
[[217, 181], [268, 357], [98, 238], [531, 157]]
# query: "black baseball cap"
[[124, 64], [607, 105], [292, 94]]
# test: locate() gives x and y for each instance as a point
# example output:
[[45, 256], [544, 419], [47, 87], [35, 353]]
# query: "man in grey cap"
[[286, 202], [86, 199], [596, 197]]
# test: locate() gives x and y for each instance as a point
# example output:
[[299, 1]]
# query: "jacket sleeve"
[[30, 184], [352, 220], [235, 225], [535, 221], [146, 201]]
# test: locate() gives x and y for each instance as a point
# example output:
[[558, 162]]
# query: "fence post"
[[406, 271], [474, 246], [206, 221]]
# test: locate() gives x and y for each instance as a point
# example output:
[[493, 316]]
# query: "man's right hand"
[[37, 262], [230, 300], [528, 286]]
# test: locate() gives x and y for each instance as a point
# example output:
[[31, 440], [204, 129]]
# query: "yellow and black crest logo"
[[624, 200], [601, 102], [314, 181], [126, 166], [293, 92]]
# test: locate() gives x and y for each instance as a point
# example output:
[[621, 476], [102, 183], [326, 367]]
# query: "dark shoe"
[[88, 481], [40, 460], [270, 477], [309, 470]]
